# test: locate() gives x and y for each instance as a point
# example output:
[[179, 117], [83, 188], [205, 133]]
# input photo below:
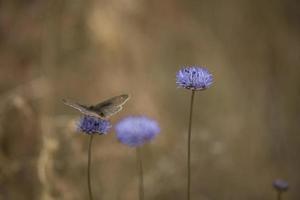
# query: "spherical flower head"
[[92, 125], [281, 185], [134, 131], [194, 78]]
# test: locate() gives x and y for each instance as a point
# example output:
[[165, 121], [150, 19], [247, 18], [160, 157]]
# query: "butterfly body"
[[101, 110]]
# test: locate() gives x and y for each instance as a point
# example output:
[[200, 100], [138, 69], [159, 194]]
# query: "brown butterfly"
[[101, 110]]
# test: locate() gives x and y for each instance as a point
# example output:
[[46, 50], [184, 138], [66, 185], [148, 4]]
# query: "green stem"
[[140, 171], [189, 147], [89, 168]]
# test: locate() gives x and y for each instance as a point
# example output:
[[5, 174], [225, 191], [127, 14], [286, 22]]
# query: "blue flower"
[[136, 130], [280, 185], [91, 125], [194, 78]]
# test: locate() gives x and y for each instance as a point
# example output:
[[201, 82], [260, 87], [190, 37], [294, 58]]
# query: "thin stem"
[[140, 171], [189, 147], [89, 168], [279, 195]]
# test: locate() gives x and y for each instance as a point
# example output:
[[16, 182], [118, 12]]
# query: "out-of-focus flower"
[[280, 185], [92, 125], [136, 130], [194, 78]]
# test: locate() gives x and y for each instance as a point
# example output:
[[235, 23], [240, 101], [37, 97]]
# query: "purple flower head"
[[92, 125], [280, 185], [194, 78], [136, 130]]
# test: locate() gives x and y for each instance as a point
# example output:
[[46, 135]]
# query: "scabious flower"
[[194, 78], [280, 185], [92, 125], [134, 131]]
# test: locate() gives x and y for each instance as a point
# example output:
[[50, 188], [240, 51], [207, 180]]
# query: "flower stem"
[[189, 147], [140, 171], [279, 195], [89, 168]]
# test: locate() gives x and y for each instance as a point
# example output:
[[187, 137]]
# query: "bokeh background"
[[246, 126]]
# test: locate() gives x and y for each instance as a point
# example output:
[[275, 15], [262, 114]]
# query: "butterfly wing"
[[82, 108], [110, 106], [116, 101], [110, 110]]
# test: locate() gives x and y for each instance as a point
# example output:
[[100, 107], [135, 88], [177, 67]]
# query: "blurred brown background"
[[246, 127]]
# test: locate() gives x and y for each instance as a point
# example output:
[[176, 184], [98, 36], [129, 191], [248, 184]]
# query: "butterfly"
[[101, 110]]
